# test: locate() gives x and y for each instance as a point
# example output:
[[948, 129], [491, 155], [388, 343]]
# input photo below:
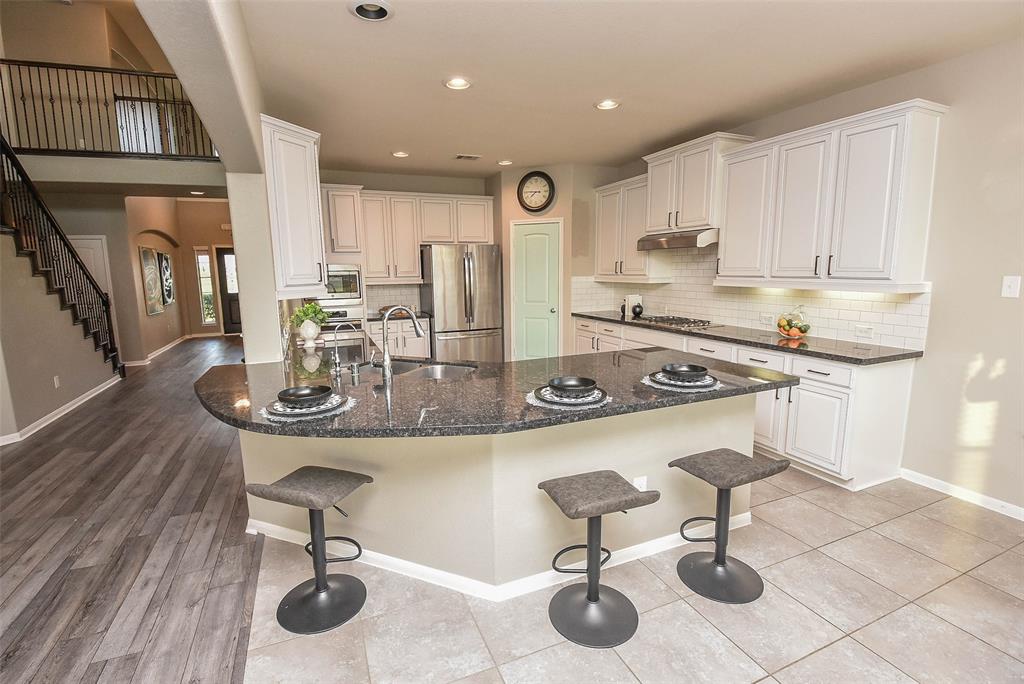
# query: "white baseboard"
[[490, 592], [167, 346], [983, 500], [50, 417]]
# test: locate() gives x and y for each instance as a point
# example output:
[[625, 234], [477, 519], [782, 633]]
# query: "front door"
[[535, 290], [227, 277]]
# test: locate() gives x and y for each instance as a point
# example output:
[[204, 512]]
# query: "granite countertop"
[[489, 400], [856, 353]]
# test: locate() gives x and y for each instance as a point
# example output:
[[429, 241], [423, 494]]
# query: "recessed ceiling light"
[[400, 155], [457, 83], [196, 192], [607, 104], [505, 162], [371, 11]]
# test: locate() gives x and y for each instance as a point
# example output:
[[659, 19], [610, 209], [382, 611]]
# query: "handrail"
[[82, 67], [16, 163]]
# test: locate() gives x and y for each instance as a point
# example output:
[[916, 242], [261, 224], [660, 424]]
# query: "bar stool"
[[592, 614], [326, 601], [715, 575]]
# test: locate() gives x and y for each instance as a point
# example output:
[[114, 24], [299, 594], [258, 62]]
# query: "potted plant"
[[307, 319]]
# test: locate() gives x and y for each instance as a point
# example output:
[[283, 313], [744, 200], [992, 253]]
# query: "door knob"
[[552, 309]]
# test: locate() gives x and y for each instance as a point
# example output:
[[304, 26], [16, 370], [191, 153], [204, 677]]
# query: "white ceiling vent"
[[467, 157]]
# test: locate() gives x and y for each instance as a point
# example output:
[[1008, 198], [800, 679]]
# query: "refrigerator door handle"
[[466, 288], [471, 311], [460, 335]]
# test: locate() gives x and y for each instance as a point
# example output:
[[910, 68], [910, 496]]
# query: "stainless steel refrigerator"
[[462, 291]]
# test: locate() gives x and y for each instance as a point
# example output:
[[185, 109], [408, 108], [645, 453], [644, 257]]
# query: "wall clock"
[[536, 191]]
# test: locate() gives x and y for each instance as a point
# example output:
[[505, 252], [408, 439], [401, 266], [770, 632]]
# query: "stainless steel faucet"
[[385, 370], [336, 371]]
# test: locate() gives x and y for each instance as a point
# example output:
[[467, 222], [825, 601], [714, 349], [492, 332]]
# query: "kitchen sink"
[[442, 371]]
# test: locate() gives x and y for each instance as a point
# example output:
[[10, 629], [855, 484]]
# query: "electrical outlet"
[[766, 318], [56, 382], [863, 331], [640, 483], [1011, 287]]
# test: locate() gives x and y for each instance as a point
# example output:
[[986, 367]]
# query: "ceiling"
[[680, 69]]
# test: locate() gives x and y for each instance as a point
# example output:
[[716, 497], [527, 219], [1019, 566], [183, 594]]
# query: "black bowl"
[[571, 386], [684, 371], [305, 396]]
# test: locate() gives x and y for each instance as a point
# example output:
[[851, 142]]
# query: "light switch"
[[861, 330], [1011, 286]]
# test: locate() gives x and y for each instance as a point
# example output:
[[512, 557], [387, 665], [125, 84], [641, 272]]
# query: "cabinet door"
[[768, 410], [415, 347], [661, 191], [607, 237], [376, 255], [343, 221], [743, 238], [816, 426], [437, 220], [693, 180], [475, 220], [801, 205], [634, 227], [585, 343], [405, 239], [867, 188], [608, 343], [293, 181]]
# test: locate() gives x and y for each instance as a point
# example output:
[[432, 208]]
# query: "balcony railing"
[[92, 111]]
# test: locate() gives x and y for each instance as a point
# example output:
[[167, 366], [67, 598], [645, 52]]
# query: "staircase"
[[37, 235]]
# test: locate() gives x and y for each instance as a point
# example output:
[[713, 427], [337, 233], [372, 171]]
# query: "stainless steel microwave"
[[344, 283]]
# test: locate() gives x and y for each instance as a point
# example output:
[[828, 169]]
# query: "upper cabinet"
[[684, 183], [392, 243], [841, 206], [293, 198], [437, 219], [475, 219], [621, 219], [342, 210]]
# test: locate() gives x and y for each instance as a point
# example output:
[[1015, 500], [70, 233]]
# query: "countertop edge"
[[906, 354]]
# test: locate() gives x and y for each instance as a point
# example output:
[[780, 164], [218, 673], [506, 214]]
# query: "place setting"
[[682, 377], [569, 392], [307, 402]]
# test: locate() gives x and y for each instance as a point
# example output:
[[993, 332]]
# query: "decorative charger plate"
[[662, 379], [281, 409]]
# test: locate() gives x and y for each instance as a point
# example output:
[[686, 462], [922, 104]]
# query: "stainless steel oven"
[[344, 283], [345, 329]]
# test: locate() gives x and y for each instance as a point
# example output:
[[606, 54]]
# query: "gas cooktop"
[[677, 321]]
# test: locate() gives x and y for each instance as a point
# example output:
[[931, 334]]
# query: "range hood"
[[684, 238]]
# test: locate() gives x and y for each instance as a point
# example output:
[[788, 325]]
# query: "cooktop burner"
[[677, 321]]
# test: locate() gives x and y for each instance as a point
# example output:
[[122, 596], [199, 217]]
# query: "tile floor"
[[896, 583]]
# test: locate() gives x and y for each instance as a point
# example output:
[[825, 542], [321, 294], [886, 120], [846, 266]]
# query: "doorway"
[[536, 268], [227, 279], [93, 251]]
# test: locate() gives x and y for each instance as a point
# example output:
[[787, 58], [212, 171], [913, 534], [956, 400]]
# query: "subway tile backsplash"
[[377, 296], [897, 320]]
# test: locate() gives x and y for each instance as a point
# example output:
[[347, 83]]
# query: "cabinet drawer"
[[642, 337], [823, 371], [609, 330], [712, 348], [586, 325], [374, 329], [760, 359]]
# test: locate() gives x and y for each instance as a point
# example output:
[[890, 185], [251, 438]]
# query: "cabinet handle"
[[388, 266], [677, 218], [668, 223], [598, 344], [790, 400], [320, 272], [592, 340], [776, 394], [817, 258], [751, 358], [829, 264], [710, 351], [718, 266], [811, 370]]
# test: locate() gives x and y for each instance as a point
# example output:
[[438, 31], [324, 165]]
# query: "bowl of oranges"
[[793, 324]]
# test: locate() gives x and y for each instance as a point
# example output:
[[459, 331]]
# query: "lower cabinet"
[[769, 410], [586, 342], [817, 425], [402, 339]]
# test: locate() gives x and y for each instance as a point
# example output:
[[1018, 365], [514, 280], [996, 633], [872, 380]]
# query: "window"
[[230, 273], [207, 309]]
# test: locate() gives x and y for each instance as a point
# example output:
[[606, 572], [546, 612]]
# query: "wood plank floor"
[[123, 553]]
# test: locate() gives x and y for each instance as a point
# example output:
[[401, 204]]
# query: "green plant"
[[309, 312]]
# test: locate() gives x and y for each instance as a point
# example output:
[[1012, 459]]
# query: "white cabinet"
[[293, 199], [802, 206], [475, 220], [437, 220], [405, 240], [341, 211], [769, 410], [816, 425], [746, 214], [596, 336], [402, 339], [713, 348], [585, 342], [391, 237], [377, 238], [620, 219], [684, 183], [850, 204], [608, 343]]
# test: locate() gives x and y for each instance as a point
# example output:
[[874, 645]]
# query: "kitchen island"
[[456, 461]]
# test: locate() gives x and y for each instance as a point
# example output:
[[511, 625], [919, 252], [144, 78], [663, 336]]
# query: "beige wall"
[[39, 342], [199, 225], [55, 32], [399, 182]]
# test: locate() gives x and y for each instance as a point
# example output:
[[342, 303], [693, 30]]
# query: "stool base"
[[304, 610], [734, 582], [610, 621]]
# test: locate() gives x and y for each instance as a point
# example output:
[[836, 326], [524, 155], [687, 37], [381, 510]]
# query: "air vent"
[[467, 157]]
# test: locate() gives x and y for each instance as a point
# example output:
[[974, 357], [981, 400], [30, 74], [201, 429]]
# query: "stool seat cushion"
[[590, 494], [725, 468], [311, 487]]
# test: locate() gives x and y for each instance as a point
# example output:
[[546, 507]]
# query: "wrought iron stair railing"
[[38, 236]]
